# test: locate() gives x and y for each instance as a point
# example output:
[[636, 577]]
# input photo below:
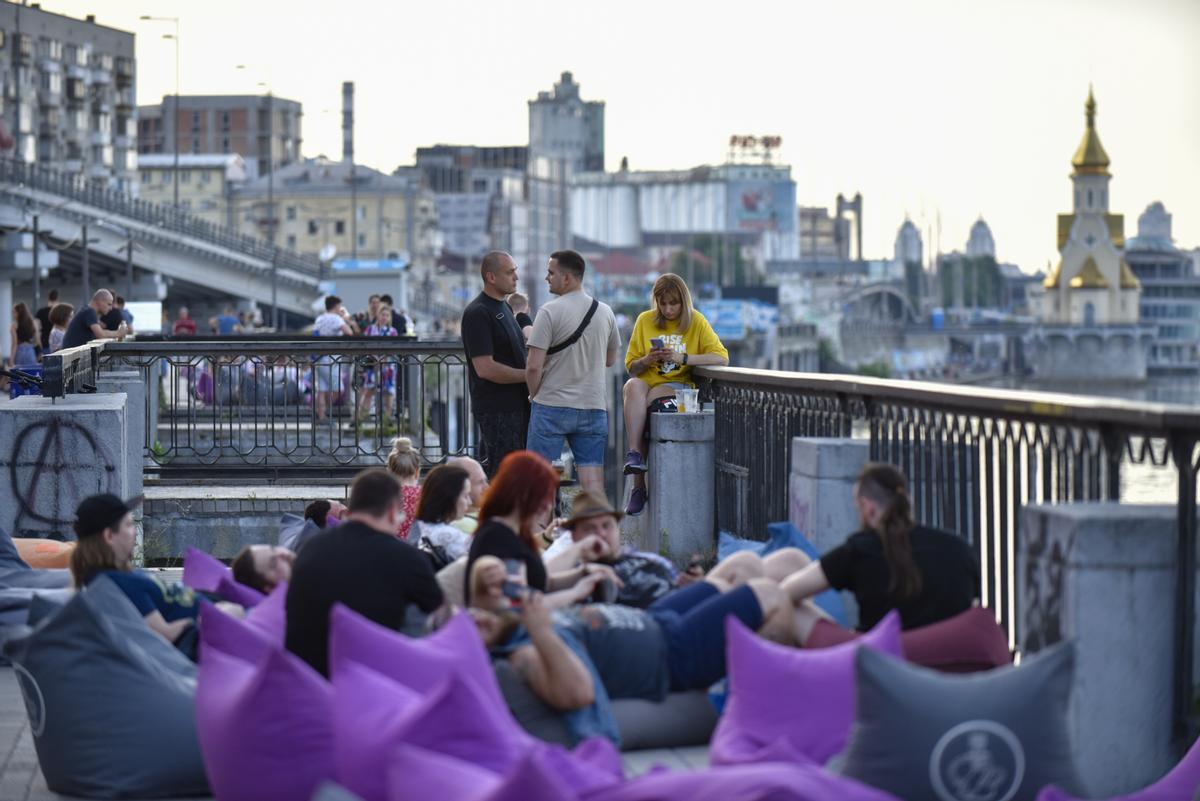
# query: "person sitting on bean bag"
[[107, 537], [263, 567], [892, 563], [677, 644]]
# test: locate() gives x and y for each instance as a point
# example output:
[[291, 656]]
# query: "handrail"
[[1049, 407]]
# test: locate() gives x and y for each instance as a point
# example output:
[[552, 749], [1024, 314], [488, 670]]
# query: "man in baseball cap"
[[100, 512]]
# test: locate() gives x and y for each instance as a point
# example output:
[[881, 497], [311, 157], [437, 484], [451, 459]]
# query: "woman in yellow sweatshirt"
[[667, 341]]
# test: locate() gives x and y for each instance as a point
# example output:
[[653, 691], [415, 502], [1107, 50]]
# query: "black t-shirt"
[[369, 571], [43, 315], [79, 330], [949, 577], [523, 319], [498, 540], [627, 646], [490, 329], [112, 321]]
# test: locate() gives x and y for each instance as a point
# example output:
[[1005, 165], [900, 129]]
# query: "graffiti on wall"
[[52, 464]]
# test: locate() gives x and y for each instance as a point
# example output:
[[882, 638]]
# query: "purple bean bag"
[[233, 637], [788, 704], [370, 721], [532, 779], [270, 616], [416, 663], [1181, 784], [266, 727], [774, 781], [209, 574], [418, 774]]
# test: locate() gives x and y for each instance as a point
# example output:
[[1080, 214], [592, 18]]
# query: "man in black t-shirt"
[[495, 350], [85, 325], [43, 316], [362, 565]]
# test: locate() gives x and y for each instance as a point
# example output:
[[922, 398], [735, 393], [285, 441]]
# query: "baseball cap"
[[102, 511]]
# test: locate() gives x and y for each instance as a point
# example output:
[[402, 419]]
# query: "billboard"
[[761, 205]]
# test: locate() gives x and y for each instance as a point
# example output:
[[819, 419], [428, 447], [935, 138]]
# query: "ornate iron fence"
[[974, 457], [304, 406]]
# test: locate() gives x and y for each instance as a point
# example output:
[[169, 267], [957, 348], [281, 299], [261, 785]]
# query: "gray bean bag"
[[995, 735], [679, 720], [110, 703]]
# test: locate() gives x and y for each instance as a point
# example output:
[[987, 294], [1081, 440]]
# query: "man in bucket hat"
[[594, 534]]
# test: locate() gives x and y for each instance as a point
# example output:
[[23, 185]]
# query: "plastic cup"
[[687, 400]]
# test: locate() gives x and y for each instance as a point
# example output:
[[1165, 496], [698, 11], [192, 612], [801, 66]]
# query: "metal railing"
[[973, 457], [271, 408], [167, 217]]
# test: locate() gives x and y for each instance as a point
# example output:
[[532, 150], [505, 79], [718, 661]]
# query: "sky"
[[942, 110]]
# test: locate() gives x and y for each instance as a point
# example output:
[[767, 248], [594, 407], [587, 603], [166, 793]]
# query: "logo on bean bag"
[[979, 760], [35, 702]]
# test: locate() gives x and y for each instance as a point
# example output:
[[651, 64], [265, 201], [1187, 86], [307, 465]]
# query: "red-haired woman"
[[520, 495]]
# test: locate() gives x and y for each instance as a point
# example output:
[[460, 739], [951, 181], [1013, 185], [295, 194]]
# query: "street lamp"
[[175, 122], [271, 200]]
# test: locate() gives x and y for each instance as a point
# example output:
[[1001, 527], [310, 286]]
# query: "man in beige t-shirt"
[[567, 381]]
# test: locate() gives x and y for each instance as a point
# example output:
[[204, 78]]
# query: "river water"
[[1140, 483]]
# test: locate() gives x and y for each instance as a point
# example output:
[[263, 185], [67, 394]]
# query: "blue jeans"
[[585, 430], [693, 621]]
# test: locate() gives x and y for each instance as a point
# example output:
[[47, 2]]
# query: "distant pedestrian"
[[520, 307], [184, 324], [126, 314], [335, 322], [367, 317], [379, 374], [85, 325], [496, 361], [226, 324], [573, 343], [24, 336], [60, 318], [43, 318]]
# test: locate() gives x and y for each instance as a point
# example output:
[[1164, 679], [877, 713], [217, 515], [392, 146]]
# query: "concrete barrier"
[[132, 384], [55, 454], [679, 515], [1103, 575]]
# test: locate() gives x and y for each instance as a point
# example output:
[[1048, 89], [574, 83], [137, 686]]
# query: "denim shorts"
[[585, 430]]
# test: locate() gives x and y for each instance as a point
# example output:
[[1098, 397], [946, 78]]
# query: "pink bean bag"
[[209, 574]]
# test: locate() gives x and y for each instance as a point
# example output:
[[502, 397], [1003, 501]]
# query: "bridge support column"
[[1103, 575], [55, 454]]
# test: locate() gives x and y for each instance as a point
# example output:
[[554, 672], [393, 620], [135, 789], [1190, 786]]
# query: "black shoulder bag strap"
[[571, 340]]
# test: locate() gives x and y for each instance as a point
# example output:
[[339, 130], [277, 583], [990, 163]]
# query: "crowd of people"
[[581, 619], [55, 326]]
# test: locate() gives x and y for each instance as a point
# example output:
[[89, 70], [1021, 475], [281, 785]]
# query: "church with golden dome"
[[1090, 313], [1092, 284]]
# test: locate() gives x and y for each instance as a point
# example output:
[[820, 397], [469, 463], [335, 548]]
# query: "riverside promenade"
[[1035, 482]]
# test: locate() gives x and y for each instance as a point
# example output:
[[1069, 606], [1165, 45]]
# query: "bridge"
[[210, 260]]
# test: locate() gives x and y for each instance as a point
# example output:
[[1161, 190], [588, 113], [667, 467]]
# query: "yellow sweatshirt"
[[699, 338]]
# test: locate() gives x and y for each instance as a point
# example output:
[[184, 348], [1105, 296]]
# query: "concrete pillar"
[[1103, 575], [680, 514], [821, 493], [55, 454], [6, 304], [131, 383]]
